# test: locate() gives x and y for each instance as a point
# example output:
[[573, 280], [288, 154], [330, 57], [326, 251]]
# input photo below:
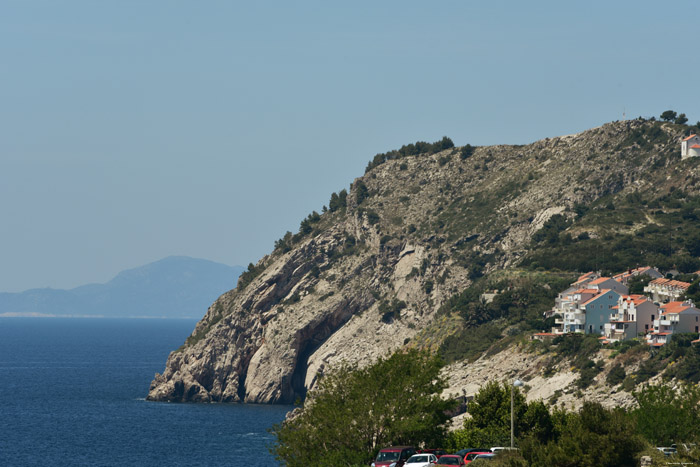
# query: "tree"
[[668, 116], [362, 192], [593, 436], [338, 201], [666, 415], [637, 283], [489, 422], [354, 412], [681, 119]]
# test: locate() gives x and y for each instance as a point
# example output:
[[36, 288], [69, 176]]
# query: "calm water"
[[71, 393]]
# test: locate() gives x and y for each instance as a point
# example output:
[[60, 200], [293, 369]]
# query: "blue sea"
[[72, 393]]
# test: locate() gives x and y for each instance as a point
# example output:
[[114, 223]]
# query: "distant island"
[[174, 287]]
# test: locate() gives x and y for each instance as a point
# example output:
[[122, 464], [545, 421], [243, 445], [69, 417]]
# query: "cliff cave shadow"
[[298, 386]]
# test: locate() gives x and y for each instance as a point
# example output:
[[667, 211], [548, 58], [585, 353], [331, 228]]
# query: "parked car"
[[438, 452], [464, 452], [473, 455], [668, 451], [394, 456], [486, 457], [422, 460], [450, 460], [501, 448]]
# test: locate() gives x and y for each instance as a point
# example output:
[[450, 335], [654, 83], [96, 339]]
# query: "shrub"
[[466, 151], [616, 375], [361, 192]]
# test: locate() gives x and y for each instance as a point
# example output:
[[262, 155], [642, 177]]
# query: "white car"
[[421, 460]]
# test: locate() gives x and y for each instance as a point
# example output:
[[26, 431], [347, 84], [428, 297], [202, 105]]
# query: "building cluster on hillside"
[[604, 306]]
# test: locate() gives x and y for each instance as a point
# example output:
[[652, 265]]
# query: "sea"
[[72, 393]]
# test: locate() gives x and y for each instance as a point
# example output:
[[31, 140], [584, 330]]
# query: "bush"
[[616, 375], [466, 152], [361, 192]]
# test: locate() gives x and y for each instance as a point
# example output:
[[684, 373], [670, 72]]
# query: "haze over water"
[[73, 394]]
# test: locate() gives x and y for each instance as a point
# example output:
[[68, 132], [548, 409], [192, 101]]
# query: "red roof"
[[695, 146], [584, 277], [671, 283], [690, 137], [600, 280], [674, 307]]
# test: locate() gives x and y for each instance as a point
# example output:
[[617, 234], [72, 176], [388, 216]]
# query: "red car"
[[395, 456], [470, 456], [449, 460]]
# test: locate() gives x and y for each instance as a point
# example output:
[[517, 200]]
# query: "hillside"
[[402, 258], [174, 287]]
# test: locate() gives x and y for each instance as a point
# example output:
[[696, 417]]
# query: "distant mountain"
[[174, 287]]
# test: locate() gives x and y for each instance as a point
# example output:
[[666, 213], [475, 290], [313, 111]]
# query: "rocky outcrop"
[[362, 280]]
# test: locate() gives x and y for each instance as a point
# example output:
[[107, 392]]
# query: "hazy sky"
[[135, 130]]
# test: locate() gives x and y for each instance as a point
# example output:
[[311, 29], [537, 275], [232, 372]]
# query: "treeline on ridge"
[[419, 147]]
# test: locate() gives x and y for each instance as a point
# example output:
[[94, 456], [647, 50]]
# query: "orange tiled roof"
[[695, 146], [600, 280], [690, 137], [632, 272], [584, 277], [671, 283]]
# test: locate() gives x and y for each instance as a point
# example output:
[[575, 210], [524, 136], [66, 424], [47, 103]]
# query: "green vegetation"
[[466, 151], [391, 311], [489, 422], [407, 150], [668, 115], [520, 302], [592, 436], [667, 415], [355, 412], [361, 192], [338, 201], [248, 276], [663, 231]]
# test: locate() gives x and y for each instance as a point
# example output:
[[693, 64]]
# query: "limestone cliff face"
[[369, 276]]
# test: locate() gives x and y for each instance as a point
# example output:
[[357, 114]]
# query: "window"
[[646, 327], [652, 317]]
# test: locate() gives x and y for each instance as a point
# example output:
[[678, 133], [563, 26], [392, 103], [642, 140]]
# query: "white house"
[[666, 290], [676, 317], [633, 314], [690, 147]]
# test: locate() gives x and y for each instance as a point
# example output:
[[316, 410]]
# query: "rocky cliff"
[[363, 279]]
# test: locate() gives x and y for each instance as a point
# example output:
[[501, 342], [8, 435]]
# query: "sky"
[[135, 130]]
